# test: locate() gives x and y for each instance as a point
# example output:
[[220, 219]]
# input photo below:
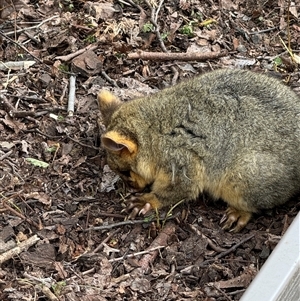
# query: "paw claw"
[[231, 216], [139, 204], [133, 213], [223, 219], [147, 207], [130, 206]]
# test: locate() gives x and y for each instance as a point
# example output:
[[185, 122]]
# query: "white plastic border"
[[279, 277]]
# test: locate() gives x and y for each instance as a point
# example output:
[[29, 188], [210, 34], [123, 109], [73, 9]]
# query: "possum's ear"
[[119, 144], [108, 104]]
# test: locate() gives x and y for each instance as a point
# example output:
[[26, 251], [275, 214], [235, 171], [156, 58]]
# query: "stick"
[[120, 224], [24, 245], [148, 251], [160, 241], [165, 56], [110, 80], [22, 216], [21, 46], [106, 240], [233, 248], [71, 100], [70, 56], [32, 27]]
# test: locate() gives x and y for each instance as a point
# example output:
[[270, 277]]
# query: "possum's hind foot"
[[233, 216]]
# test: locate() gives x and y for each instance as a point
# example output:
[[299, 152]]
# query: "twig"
[[45, 281], [71, 99], [160, 241], [156, 26], [135, 5], [223, 293], [82, 144], [120, 224], [70, 56], [233, 248], [158, 9], [16, 65], [38, 99], [30, 36], [236, 292], [45, 285], [208, 261], [110, 80], [63, 92], [163, 56], [46, 290], [148, 251], [262, 31], [6, 155], [11, 111], [24, 245], [129, 222], [107, 239], [21, 46], [209, 241], [15, 212], [31, 27], [35, 130], [125, 3], [288, 25], [7, 105], [20, 114], [175, 76]]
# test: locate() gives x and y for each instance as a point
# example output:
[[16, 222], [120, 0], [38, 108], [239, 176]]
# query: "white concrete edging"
[[279, 277]]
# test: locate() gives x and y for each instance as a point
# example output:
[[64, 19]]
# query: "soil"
[[62, 230]]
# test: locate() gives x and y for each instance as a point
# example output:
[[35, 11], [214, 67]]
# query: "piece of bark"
[[166, 56], [160, 240]]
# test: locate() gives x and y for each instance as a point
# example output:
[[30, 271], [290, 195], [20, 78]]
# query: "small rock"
[[241, 48]]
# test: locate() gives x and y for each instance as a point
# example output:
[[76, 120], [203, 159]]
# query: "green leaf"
[[277, 61], [187, 30], [37, 163], [148, 27]]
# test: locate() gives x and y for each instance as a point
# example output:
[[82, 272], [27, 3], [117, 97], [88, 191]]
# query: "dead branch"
[[24, 245], [148, 251], [166, 56], [205, 263], [12, 112], [44, 284], [71, 99], [127, 222], [22, 216], [5, 155], [160, 240], [106, 240], [110, 80], [209, 241], [46, 290], [31, 27], [241, 281], [233, 248], [119, 224], [70, 56], [153, 19], [21, 46]]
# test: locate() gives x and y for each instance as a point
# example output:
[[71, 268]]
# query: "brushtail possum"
[[234, 134]]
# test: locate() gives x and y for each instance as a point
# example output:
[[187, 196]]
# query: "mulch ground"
[[62, 229]]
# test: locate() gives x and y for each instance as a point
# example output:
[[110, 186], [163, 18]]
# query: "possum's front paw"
[[141, 203], [231, 216]]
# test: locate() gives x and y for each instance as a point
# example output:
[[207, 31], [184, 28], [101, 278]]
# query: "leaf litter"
[[60, 204]]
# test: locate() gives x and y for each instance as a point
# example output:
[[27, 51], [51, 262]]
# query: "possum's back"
[[243, 109]]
